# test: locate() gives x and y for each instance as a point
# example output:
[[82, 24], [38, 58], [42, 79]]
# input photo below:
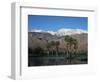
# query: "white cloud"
[[36, 30]]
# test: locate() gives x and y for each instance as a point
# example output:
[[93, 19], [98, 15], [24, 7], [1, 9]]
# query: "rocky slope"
[[40, 39]]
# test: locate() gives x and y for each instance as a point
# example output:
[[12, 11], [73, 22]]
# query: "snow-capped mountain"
[[62, 31]]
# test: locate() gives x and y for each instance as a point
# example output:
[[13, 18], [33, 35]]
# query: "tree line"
[[52, 48]]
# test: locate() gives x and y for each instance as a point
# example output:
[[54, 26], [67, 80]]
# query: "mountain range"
[[39, 38], [62, 31]]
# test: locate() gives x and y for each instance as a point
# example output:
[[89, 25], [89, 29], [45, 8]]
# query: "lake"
[[45, 61]]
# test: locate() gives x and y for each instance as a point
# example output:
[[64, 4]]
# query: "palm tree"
[[57, 43], [75, 43], [48, 48], [69, 42], [52, 44]]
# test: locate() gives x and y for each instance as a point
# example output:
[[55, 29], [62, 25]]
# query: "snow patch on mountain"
[[51, 32], [62, 31]]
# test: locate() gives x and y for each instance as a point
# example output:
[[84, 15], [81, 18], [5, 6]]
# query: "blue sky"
[[54, 23]]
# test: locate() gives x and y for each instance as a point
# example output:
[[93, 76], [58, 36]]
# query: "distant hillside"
[[40, 39]]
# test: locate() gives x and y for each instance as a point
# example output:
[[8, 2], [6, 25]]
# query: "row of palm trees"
[[52, 47], [71, 46]]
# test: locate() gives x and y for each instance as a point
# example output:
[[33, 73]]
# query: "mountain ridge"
[[62, 32]]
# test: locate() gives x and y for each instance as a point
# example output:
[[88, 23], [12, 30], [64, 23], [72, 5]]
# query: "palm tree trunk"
[[57, 50], [70, 54]]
